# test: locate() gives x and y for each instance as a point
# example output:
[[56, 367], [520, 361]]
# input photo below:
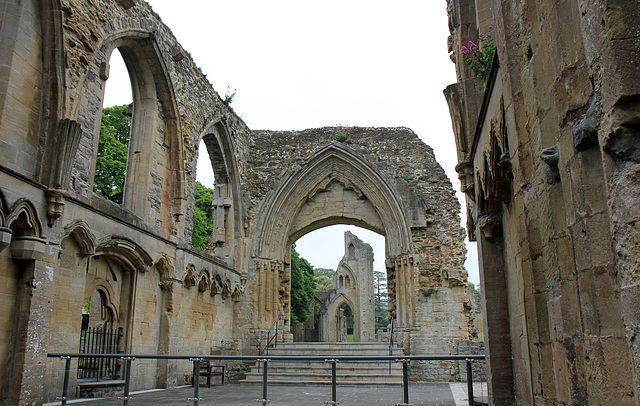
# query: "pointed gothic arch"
[[227, 200], [334, 165], [335, 186], [155, 128], [23, 219]]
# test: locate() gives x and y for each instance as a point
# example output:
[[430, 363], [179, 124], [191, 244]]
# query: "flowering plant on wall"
[[479, 57], [342, 135]]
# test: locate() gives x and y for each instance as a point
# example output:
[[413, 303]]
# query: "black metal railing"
[[196, 359], [268, 338], [391, 341], [99, 340]]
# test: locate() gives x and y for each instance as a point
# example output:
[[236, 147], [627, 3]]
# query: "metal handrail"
[[196, 359], [391, 342], [269, 340]]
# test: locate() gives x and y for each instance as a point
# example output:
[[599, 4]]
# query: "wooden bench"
[[206, 369]]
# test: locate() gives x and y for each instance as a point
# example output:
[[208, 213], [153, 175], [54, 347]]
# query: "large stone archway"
[[399, 192]]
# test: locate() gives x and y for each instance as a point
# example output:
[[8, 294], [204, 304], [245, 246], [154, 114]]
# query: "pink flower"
[[79, 192], [490, 27], [472, 46], [464, 50]]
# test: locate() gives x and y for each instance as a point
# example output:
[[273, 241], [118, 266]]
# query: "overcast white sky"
[[301, 64]]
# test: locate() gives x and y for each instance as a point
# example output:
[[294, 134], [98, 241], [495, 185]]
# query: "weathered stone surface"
[[559, 246]]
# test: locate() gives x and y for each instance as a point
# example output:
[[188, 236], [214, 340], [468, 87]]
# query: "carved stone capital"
[[5, 237], [28, 248]]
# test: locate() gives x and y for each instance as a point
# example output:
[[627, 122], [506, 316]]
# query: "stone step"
[[319, 373], [340, 377], [343, 368], [328, 352], [318, 383]]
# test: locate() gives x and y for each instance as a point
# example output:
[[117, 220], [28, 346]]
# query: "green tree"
[[324, 279], [324, 283], [303, 286], [381, 299], [324, 272], [202, 216], [113, 150]]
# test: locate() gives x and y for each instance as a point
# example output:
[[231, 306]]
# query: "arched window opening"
[[204, 192], [345, 323], [115, 131], [214, 222]]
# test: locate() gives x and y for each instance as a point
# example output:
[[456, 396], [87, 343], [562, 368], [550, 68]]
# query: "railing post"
[[334, 383], [264, 399], [196, 381], [405, 382], [127, 380], [65, 385], [469, 382]]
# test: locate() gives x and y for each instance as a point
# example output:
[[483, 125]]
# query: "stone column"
[[496, 311], [274, 292], [27, 358], [403, 288]]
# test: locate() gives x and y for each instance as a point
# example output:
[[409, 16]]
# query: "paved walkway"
[[233, 394]]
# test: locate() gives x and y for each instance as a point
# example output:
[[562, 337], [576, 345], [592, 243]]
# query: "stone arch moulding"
[[333, 163], [107, 290], [27, 240], [5, 231], [227, 203], [129, 253], [25, 213], [151, 87], [82, 235], [190, 276]]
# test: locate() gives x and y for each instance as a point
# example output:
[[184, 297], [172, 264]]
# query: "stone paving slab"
[[233, 394]]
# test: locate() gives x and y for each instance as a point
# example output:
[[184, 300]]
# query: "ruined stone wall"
[[60, 242], [177, 299], [544, 172]]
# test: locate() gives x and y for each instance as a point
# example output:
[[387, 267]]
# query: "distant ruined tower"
[[353, 285]]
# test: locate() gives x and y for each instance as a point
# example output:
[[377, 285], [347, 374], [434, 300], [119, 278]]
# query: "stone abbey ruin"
[[72, 261], [548, 160]]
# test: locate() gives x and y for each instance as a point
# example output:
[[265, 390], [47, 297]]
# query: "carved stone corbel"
[[551, 157], [28, 247], [467, 182], [490, 224], [55, 205]]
